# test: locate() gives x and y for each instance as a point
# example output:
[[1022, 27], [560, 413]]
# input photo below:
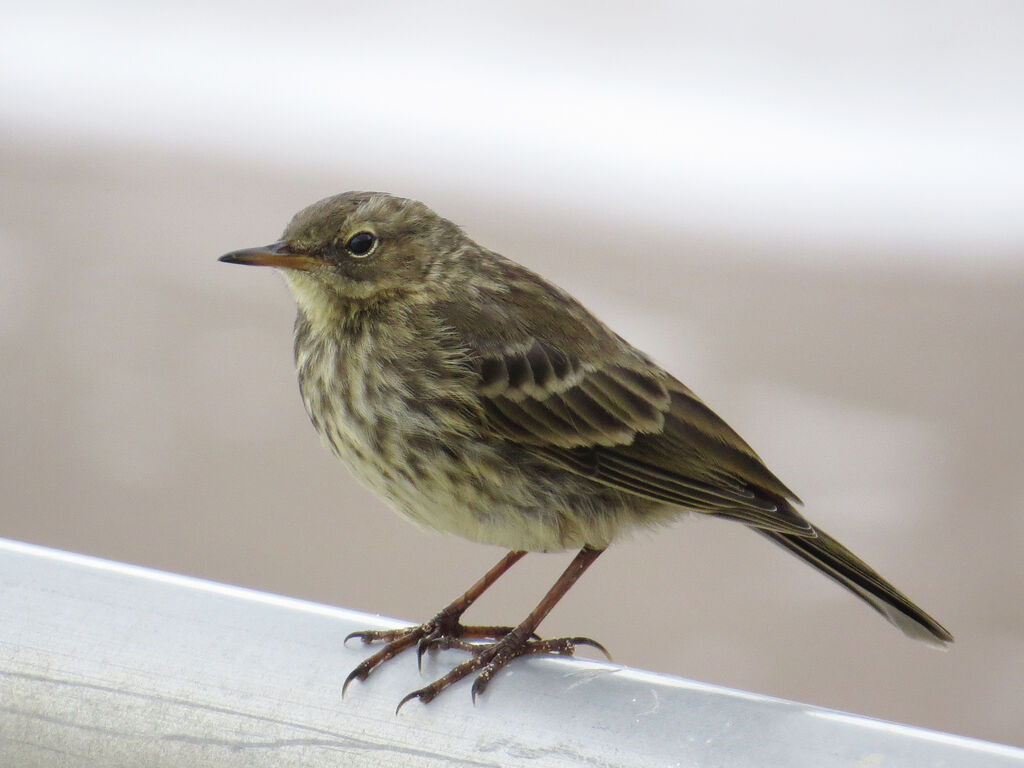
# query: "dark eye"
[[361, 243]]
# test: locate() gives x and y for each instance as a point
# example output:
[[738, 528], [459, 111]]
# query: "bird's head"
[[354, 248]]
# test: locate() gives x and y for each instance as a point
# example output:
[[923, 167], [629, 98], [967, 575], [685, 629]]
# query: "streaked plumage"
[[479, 399]]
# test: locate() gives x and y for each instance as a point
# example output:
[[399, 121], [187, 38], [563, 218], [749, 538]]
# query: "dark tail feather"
[[836, 561]]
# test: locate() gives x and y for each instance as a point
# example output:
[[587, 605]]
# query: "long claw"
[[443, 628], [368, 636], [445, 631], [489, 659], [355, 674], [361, 635], [480, 684], [421, 648], [389, 651], [593, 644], [423, 694], [404, 700], [440, 632]]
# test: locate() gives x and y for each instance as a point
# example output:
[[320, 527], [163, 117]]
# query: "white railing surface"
[[104, 664]]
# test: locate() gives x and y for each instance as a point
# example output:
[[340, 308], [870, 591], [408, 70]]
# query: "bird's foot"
[[489, 658], [441, 632]]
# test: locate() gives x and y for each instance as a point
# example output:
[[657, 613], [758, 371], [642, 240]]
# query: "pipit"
[[479, 399]]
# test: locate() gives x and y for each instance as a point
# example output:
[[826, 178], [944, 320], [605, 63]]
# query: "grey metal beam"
[[104, 664]]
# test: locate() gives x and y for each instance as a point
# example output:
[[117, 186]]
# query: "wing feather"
[[556, 381]]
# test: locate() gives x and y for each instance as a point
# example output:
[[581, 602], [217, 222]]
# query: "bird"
[[479, 399]]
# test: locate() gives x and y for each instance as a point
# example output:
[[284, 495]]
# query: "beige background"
[[149, 414], [810, 212]]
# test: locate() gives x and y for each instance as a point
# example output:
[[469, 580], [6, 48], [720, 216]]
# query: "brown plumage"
[[479, 399]]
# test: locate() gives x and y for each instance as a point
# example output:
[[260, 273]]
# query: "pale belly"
[[428, 462], [458, 487]]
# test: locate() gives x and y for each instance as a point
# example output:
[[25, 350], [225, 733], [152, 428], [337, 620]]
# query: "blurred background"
[[810, 212]]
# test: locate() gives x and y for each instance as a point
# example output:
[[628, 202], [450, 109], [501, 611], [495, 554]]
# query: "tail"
[[837, 562]]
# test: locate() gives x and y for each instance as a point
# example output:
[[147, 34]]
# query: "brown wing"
[[558, 383], [634, 428], [555, 380]]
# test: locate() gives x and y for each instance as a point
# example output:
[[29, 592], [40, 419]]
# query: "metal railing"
[[105, 664]]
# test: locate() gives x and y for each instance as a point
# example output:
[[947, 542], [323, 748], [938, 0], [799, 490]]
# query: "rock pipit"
[[479, 399]]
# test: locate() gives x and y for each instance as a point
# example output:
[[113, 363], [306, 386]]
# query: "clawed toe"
[[566, 646], [442, 632], [423, 694], [445, 631], [369, 636], [489, 659], [400, 640], [462, 640]]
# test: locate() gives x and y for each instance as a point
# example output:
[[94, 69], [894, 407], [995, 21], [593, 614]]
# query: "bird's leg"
[[444, 630], [520, 641]]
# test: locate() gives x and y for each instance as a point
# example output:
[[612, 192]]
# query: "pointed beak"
[[273, 255]]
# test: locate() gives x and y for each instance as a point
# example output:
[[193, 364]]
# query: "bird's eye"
[[360, 244]]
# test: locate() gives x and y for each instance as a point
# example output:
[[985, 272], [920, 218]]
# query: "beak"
[[273, 255]]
